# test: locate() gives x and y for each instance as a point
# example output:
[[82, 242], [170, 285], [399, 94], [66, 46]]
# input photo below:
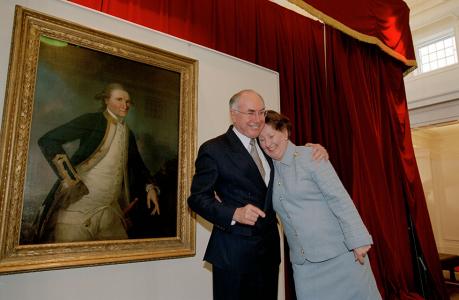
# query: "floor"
[[453, 289], [453, 292]]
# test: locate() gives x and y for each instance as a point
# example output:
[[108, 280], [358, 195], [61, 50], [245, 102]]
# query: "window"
[[437, 53]]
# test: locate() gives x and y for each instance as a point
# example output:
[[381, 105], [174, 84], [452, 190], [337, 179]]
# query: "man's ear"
[[232, 116]]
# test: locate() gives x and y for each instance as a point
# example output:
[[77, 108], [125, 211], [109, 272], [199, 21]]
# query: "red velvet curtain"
[[94, 4], [351, 100], [384, 20], [366, 88]]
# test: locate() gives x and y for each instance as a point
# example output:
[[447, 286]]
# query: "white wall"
[[220, 76], [437, 155], [439, 113]]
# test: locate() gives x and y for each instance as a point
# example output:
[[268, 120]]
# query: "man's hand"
[[248, 214], [360, 253], [152, 199], [65, 196], [318, 151]]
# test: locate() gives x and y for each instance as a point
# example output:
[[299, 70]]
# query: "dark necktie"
[[256, 157]]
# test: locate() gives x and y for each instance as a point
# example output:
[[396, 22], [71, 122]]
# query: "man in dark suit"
[[232, 188]]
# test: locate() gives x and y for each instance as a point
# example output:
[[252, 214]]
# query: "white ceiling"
[[424, 12]]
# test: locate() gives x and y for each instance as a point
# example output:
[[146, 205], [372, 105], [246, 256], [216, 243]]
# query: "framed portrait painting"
[[97, 144]]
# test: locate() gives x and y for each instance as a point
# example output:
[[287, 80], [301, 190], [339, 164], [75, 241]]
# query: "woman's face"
[[273, 142], [119, 103]]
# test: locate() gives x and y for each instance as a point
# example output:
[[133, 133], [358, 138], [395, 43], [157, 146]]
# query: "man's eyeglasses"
[[252, 113]]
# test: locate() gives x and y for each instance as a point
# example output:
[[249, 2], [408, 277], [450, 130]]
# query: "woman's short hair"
[[278, 121]]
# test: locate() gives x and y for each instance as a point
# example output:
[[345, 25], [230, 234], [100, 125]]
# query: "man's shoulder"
[[217, 142], [92, 116]]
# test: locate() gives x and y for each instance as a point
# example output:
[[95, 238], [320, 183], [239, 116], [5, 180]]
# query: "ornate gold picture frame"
[[57, 69]]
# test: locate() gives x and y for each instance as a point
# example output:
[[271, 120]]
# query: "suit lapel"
[[242, 157], [268, 198]]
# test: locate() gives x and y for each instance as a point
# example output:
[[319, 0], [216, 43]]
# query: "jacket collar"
[[235, 143], [112, 118], [289, 155]]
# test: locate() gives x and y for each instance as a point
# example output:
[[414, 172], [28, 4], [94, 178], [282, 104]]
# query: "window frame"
[[431, 40]]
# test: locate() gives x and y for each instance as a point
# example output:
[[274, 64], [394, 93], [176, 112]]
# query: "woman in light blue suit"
[[327, 238]]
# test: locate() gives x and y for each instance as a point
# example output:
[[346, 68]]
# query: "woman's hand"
[[360, 253]]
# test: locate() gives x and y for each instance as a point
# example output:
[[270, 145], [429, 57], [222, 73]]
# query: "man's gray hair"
[[234, 101]]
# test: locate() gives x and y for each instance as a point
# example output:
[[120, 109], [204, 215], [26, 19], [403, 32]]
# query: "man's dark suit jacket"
[[225, 167]]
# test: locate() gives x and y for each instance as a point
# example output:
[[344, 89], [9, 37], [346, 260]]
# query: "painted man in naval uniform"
[[100, 181]]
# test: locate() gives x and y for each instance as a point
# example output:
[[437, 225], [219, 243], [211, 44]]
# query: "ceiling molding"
[[426, 12]]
